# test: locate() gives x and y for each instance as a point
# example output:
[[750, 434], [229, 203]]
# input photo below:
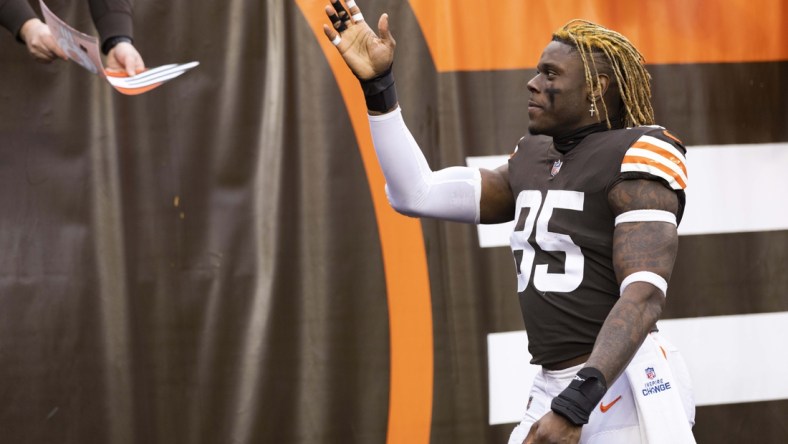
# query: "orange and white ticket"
[[84, 50]]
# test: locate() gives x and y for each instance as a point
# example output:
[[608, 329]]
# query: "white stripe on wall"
[[732, 189], [492, 235], [732, 359]]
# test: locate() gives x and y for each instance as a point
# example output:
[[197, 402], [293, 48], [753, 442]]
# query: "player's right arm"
[[461, 194]]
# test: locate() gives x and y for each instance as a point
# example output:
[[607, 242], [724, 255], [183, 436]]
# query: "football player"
[[597, 191]]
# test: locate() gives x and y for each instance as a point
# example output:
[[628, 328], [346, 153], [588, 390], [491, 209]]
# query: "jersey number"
[[546, 240]]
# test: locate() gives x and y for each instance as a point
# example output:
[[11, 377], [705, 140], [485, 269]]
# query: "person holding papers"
[[112, 19]]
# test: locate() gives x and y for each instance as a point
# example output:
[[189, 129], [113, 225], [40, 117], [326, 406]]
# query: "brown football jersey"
[[563, 237]]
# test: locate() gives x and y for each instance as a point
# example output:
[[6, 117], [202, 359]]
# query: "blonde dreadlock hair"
[[622, 58]]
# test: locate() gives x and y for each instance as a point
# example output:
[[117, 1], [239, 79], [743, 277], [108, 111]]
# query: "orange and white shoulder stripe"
[[659, 158]]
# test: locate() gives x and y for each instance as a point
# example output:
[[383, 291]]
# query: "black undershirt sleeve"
[[14, 14]]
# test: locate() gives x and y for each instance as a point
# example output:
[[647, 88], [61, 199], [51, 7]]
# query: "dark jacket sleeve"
[[112, 18], [14, 14]]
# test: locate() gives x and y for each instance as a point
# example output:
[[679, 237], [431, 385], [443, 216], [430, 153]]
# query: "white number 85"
[[572, 276]]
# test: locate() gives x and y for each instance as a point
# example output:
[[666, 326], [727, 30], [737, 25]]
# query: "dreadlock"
[[622, 58]]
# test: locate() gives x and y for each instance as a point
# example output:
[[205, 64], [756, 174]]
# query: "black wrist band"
[[578, 400], [380, 92], [112, 41]]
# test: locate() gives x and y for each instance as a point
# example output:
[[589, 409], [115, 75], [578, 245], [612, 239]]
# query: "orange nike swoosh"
[[605, 408]]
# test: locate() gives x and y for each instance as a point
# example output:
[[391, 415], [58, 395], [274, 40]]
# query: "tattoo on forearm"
[[624, 330]]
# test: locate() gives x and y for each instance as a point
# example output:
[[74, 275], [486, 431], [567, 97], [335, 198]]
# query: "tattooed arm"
[[639, 246]]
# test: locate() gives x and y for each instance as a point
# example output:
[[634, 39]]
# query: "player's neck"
[[566, 142]]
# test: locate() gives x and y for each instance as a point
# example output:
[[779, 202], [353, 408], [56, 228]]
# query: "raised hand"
[[366, 54]]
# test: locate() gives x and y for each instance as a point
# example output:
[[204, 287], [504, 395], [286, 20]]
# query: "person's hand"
[[40, 42], [553, 429], [124, 57], [366, 54]]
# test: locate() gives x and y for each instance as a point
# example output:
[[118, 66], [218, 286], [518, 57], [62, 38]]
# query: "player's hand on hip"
[[553, 429], [366, 54], [40, 42]]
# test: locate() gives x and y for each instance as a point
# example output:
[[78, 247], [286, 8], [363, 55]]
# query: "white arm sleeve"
[[412, 187]]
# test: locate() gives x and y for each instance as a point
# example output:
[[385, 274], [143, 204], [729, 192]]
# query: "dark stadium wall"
[[215, 261]]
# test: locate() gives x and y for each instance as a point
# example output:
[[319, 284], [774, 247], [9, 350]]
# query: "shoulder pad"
[[658, 153]]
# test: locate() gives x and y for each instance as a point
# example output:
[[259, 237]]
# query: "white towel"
[[656, 392]]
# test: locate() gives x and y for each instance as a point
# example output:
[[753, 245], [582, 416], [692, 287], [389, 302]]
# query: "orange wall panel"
[[467, 35]]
